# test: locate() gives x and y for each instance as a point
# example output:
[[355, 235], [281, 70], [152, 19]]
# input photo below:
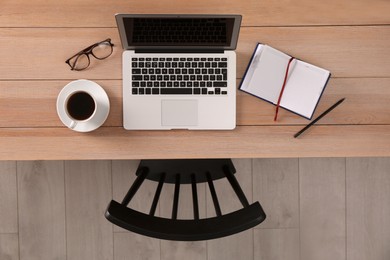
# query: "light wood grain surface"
[[368, 188], [9, 246], [41, 185], [341, 209], [8, 197], [349, 38], [88, 189], [322, 208]]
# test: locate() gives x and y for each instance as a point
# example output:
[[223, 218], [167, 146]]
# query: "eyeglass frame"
[[87, 51]]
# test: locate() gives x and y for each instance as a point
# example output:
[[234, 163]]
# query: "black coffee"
[[80, 106]]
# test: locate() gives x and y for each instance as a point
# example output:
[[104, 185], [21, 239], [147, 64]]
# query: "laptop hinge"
[[177, 51]]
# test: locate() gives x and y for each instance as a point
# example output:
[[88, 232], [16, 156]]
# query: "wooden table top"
[[350, 38]]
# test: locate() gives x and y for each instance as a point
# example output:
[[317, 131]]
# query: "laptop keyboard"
[[179, 76]]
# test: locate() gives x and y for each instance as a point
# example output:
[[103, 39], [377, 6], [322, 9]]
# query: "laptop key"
[[220, 84], [136, 71], [196, 91], [176, 91], [204, 91], [148, 91], [155, 91], [134, 91], [137, 77]]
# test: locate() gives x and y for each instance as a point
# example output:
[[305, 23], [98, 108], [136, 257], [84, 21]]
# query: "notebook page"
[[252, 67], [303, 88], [268, 76]]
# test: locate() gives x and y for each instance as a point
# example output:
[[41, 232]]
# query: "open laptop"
[[179, 71]]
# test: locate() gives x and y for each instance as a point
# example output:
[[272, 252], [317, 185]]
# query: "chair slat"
[[213, 195], [236, 186], [157, 194], [195, 197], [141, 173], [176, 197]]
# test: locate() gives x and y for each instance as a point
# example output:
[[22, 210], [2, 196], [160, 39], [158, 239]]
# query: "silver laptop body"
[[179, 71]]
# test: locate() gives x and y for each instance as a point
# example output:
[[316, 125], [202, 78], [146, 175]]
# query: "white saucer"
[[102, 105]]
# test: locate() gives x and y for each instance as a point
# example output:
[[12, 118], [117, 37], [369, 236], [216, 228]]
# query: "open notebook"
[[265, 75]]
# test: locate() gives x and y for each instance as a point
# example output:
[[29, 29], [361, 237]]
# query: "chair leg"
[[141, 173]]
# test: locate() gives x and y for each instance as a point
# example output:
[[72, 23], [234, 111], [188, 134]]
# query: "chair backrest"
[[188, 171]]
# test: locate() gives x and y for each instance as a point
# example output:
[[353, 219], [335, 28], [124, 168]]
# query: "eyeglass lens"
[[80, 62], [102, 51]]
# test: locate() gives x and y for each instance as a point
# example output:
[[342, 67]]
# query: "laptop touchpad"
[[179, 113]]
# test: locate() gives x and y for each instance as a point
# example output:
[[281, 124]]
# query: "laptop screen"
[[182, 31]]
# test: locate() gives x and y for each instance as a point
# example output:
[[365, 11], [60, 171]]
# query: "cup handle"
[[73, 125]]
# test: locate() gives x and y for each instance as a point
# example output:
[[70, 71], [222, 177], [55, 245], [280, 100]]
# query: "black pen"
[[319, 117]]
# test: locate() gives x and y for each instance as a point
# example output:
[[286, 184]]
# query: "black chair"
[[179, 172]]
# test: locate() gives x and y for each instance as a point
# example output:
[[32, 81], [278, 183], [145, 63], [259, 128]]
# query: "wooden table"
[[350, 38]]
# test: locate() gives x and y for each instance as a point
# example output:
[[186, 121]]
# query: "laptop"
[[179, 71]]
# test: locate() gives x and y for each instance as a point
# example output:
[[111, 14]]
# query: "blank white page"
[[303, 88], [268, 75]]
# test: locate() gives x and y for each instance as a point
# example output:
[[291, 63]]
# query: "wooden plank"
[[243, 142], [88, 191], [34, 102], [41, 200], [342, 49], [183, 250], [238, 246], [255, 13], [8, 198], [363, 105], [9, 247], [275, 186], [368, 208], [322, 208], [136, 247], [276, 244]]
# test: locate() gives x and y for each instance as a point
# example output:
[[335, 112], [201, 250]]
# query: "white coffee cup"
[[83, 105]]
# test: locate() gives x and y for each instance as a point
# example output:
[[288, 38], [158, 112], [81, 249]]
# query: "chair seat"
[[185, 229]]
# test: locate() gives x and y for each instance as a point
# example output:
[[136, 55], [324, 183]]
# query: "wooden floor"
[[322, 208]]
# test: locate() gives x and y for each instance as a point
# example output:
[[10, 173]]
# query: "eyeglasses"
[[100, 51]]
